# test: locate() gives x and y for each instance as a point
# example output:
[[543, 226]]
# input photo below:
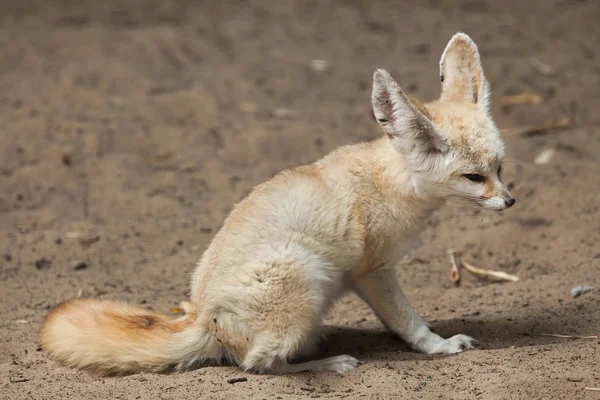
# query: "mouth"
[[494, 204], [496, 208], [488, 203]]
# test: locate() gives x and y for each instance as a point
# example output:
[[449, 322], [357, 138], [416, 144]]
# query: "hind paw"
[[340, 364]]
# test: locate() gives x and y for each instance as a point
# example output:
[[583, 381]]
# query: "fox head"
[[451, 146]]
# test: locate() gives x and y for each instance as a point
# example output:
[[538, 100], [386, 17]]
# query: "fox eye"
[[499, 171], [475, 177]]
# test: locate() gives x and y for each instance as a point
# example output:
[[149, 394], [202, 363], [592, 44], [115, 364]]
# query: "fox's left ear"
[[406, 124], [461, 72]]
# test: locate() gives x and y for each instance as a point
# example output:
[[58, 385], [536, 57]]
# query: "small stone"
[[421, 48], [250, 108], [284, 113], [236, 380], [80, 265], [319, 66], [579, 290], [42, 263], [67, 160]]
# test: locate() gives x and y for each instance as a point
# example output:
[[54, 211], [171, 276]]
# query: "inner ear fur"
[[461, 72], [405, 120]]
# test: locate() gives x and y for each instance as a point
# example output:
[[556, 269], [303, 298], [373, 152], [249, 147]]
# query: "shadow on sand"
[[493, 332]]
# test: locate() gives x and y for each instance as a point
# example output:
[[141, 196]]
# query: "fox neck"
[[380, 186], [391, 168]]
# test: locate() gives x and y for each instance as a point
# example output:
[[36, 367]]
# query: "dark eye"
[[475, 177], [499, 171]]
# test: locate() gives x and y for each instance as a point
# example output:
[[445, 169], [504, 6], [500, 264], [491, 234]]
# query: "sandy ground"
[[140, 123]]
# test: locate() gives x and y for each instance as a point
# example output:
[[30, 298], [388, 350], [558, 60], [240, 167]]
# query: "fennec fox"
[[289, 249]]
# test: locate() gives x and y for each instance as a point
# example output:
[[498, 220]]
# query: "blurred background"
[[129, 129]]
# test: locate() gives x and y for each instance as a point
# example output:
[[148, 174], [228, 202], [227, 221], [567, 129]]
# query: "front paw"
[[453, 345]]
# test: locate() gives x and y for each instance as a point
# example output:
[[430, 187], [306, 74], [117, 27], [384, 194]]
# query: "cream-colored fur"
[[288, 250]]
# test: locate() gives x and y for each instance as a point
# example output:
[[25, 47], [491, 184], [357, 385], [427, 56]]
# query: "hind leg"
[[269, 358], [309, 349], [339, 364], [292, 335], [272, 350], [283, 310]]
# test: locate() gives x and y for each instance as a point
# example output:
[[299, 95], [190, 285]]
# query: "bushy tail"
[[116, 339]]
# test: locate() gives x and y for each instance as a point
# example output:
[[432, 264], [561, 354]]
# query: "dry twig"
[[85, 238], [524, 98], [454, 272], [542, 67], [556, 335], [284, 113], [490, 273], [552, 126]]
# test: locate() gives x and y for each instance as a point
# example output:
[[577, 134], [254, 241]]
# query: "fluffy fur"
[[288, 250]]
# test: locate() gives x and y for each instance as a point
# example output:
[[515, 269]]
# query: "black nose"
[[510, 202]]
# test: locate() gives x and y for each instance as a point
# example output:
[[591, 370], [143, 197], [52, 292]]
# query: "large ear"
[[405, 124], [461, 72]]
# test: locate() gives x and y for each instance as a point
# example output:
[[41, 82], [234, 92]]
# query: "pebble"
[[579, 290], [80, 265]]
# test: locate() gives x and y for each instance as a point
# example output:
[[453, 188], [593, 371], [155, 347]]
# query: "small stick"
[[541, 67], [569, 336], [454, 272], [524, 98], [593, 389], [83, 238], [489, 273], [552, 126]]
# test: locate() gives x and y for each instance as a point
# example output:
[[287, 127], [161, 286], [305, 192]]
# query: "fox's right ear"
[[461, 72], [408, 128]]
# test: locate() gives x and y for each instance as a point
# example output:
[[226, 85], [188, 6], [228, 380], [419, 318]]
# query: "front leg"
[[381, 290]]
